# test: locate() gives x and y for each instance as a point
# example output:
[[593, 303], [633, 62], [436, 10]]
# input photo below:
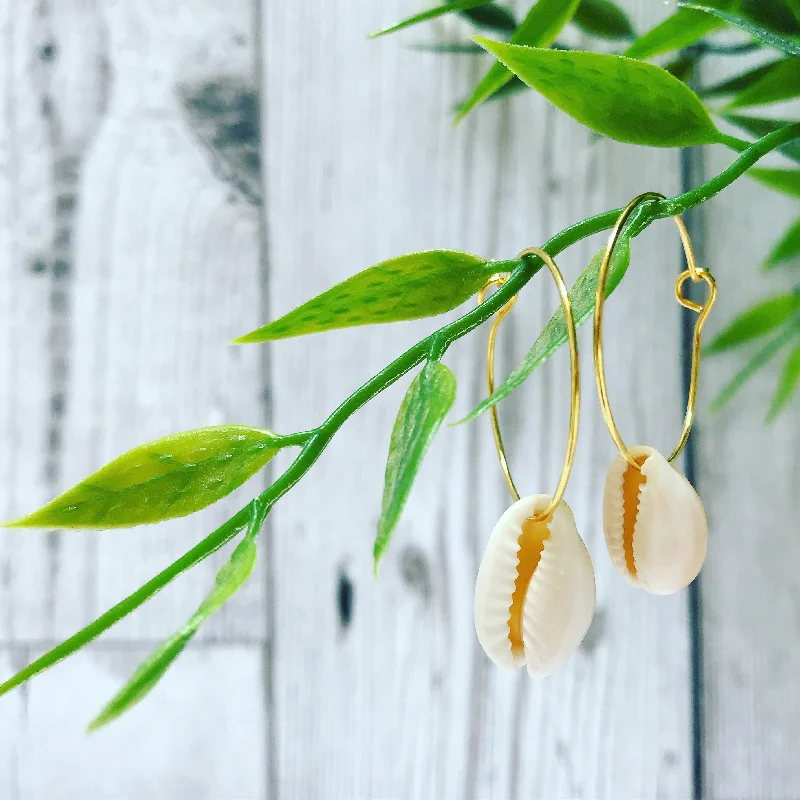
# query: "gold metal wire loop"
[[692, 271], [499, 280]]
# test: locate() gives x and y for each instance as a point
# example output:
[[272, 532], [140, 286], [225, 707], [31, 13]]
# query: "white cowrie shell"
[[660, 543], [552, 613]]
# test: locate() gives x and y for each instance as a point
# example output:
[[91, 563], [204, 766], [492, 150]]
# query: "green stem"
[[198, 553], [757, 150], [734, 142]]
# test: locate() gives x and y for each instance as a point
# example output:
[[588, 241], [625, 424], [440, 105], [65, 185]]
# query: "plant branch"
[[522, 270], [313, 442]]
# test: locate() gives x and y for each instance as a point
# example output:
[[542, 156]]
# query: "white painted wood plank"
[[362, 165], [198, 736], [152, 268], [749, 474], [26, 229]]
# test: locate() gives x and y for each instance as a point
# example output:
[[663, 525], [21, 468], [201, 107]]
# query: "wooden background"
[[173, 174]]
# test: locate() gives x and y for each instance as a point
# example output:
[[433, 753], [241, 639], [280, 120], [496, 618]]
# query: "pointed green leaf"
[[759, 360], [431, 13], [788, 384], [769, 38], [554, 335], [198, 553], [604, 19], [407, 287], [761, 126], [780, 82], [539, 28], [756, 321], [167, 478], [229, 580], [740, 82], [787, 248], [622, 98], [683, 28], [781, 180], [422, 411]]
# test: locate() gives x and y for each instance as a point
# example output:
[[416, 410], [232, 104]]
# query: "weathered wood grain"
[[199, 735], [749, 475], [400, 701], [129, 256], [26, 231], [153, 267]]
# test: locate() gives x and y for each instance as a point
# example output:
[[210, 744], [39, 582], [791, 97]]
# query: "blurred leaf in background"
[[787, 248], [540, 27], [603, 19], [788, 384]]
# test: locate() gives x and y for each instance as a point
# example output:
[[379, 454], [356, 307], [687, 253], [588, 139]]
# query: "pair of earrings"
[[535, 590]]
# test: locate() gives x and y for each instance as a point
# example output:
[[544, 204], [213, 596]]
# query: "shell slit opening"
[[531, 545], [632, 481]]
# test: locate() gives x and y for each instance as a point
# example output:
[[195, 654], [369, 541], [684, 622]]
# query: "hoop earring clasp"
[[499, 280]]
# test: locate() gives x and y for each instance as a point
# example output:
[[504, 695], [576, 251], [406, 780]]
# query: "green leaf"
[[167, 478], [554, 335], [781, 180], [788, 384], [622, 98], [760, 126], [756, 321], [407, 287], [780, 82], [787, 248], [768, 37], [422, 411], [683, 28], [431, 13], [229, 580], [759, 360], [198, 553], [740, 82], [493, 17], [539, 28], [604, 19]]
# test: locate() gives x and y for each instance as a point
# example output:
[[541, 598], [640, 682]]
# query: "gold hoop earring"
[[653, 520], [535, 591]]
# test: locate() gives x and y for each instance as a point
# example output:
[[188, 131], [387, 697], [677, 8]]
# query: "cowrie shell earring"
[[535, 591], [653, 520]]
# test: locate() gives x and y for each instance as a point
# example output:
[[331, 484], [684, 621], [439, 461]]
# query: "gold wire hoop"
[[574, 414], [692, 271]]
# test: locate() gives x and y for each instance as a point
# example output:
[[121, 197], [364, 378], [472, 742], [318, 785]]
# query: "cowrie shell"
[[656, 530], [535, 588]]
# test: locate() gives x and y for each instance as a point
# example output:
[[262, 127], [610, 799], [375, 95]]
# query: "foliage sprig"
[[616, 95]]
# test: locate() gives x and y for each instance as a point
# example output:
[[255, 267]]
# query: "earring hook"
[[692, 271]]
